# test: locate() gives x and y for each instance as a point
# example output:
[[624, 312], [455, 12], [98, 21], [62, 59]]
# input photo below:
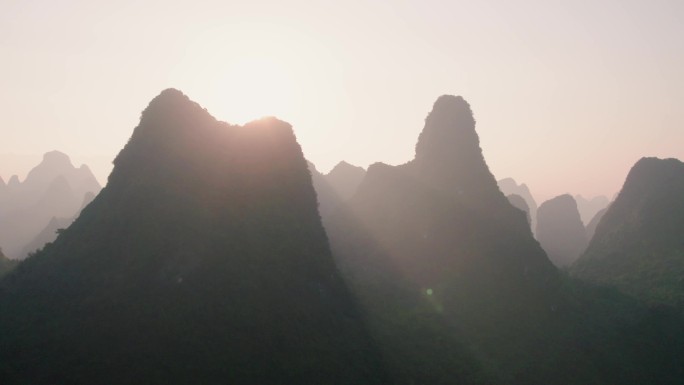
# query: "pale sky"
[[567, 95]]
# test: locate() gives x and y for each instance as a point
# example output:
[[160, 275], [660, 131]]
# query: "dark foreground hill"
[[203, 261], [638, 244], [457, 291]]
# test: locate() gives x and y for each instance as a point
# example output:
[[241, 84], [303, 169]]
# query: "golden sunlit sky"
[[567, 95]]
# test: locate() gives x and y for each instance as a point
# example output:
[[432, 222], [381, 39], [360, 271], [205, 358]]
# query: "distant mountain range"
[[510, 187], [519, 202], [588, 208], [52, 189], [345, 179]]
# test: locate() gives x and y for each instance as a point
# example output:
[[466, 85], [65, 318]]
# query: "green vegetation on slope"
[[638, 246]]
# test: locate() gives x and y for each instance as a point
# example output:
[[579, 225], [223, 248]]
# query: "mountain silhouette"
[[457, 290], [589, 207], [560, 230], [434, 249], [203, 260], [345, 178], [509, 186], [54, 188], [638, 245]]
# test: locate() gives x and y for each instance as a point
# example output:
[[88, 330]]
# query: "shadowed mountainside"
[[203, 260], [638, 245]]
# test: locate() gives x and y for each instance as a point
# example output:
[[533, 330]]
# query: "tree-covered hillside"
[[638, 245]]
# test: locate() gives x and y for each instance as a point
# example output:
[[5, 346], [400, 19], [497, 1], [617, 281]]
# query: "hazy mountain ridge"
[[49, 233], [591, 226], [588, 208], [345, 179], [202, 260], [638, 244], [54, 188], [509, 186], [560, 230], [520, 203]]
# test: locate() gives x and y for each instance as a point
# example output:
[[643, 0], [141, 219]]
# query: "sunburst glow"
[[254, 87]]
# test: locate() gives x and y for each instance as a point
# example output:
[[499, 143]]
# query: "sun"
[[251, 88]]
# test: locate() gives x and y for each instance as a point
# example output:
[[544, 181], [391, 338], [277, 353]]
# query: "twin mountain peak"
[[216, 223]]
